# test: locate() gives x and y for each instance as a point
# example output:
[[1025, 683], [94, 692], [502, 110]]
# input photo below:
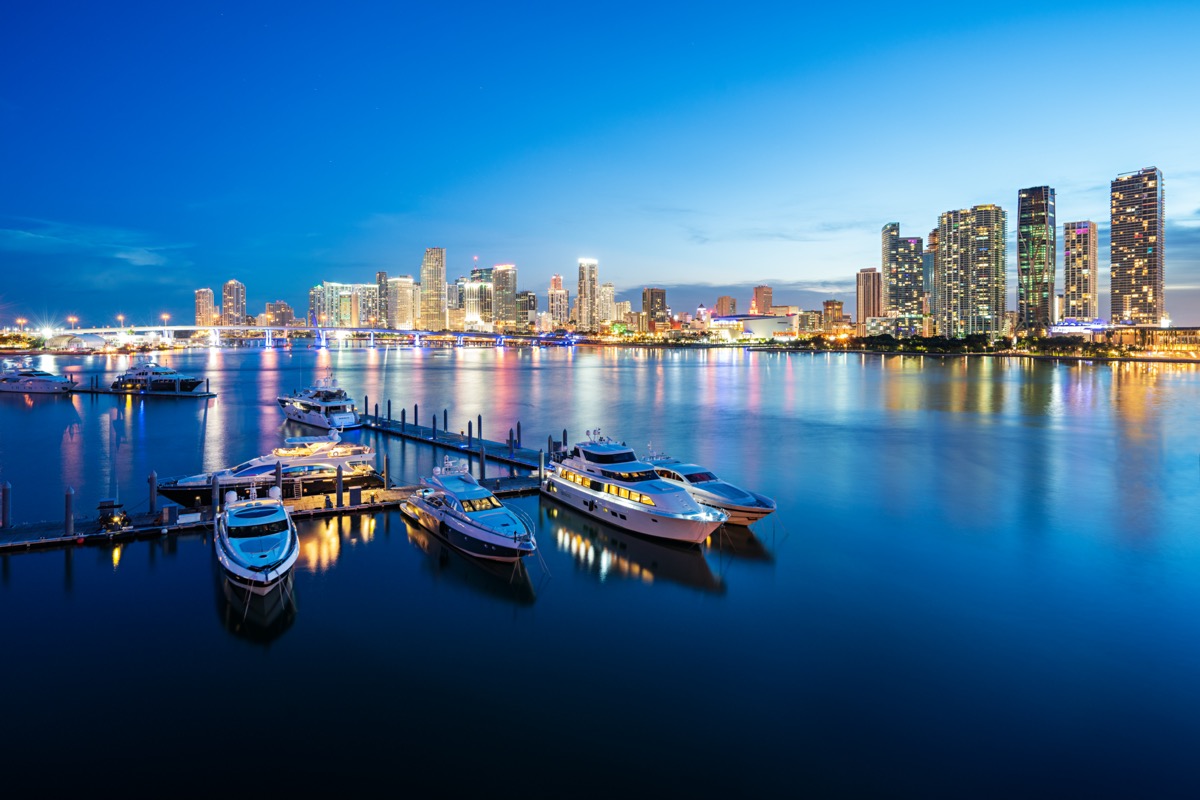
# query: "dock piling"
[[445, 419], [479, 427], [216, 498], [387, 471], [564, 441], [549, 443], [470, 438], [416, 414], [5, 504], [541, 465], [153, 481], [377, 411], [279, 476], [339, 486], [206, 389], [389, 410], [433, 430], [402, 420], [69, 522], [482, 461], [512, 440], [518, 433]]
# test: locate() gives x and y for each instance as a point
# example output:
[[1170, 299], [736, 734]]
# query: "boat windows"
[[701, 477], [480, 504], [254, 531], [630, 477], [610, 458]]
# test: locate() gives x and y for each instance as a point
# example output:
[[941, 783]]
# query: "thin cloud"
[[28, 235]]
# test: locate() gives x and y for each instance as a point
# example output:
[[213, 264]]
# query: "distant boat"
[[22, 378], [147, 376], [322, 405]]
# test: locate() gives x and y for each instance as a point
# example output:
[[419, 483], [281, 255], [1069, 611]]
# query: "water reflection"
[[608, 552], [739, 542], [254, 617], [321, 541], [507, 581]]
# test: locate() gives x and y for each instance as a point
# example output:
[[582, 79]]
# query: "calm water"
[[983, 580]]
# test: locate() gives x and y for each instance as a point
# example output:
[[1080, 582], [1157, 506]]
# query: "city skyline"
[[285, 160]]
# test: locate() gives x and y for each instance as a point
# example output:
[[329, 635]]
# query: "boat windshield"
[[254, 531], [630, 477], [481, 504], [610, 458], [700, 477]]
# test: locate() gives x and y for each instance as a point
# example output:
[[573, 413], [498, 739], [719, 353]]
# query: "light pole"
[[121, 321], [165, 318], [21, 322], [72, 320]]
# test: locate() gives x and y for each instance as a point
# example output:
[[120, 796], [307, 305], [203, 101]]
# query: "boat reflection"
[[256, 618], [609, 552], [495, 578], [740, 542]]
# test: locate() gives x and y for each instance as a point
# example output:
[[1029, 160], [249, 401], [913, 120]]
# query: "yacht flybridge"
[[604, 479], [323, 405]]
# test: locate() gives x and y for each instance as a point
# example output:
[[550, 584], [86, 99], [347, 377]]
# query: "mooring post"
[[417, 415], [377, 412], [433, 430], [564, 444], [366, 405], [387, 471], [339, 486], [206, 389], [470, 438], [511, 441], [479, 427], [69, 523], [5, 504], [153, 481], [389, 410], [541, 465], [549, 443], [482, 461], [518, 433], [279, 476], [402, 420]]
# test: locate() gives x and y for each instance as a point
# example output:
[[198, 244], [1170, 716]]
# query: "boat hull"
[[200, 495], [738, 514], [453, 533], [179, 386], [644, 522], [36, 387], [320, 420]]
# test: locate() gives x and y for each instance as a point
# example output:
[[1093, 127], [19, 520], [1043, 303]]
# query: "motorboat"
[[604, 479], [23, 378], [307, 465], [256, 542], [742, 506], [324, 405], [148, 376], [469, 517]]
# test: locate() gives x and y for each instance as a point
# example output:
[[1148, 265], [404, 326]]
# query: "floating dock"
[[138, 393]]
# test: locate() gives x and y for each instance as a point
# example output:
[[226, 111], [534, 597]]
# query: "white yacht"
[[147, 376], [308, 465], [742, 506], [604, 479], [22, 377], [324, 404], [470, 517], [256, 542]]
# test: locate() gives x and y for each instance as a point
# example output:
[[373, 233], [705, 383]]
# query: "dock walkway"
[[502, 452]]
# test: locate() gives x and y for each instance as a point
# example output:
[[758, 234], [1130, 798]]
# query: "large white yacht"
[[22, 377], [256, 542], [604, 479], [470, 517], [147, 376], [308, 465], [742, 506], [324, 405]]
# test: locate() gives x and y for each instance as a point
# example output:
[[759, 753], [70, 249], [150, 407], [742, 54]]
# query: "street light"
[[121, 320], [72, 320], [21, 321]]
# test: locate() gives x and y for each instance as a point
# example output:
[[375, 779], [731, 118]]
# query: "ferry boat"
[[256, 542], [147, 376], [308, 465], [604, 479], [324, 405], [23, 378], [469, 517], [742, 506]]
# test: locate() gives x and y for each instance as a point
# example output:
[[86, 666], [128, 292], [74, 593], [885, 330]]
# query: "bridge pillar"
[[372, 344], [267, 343]]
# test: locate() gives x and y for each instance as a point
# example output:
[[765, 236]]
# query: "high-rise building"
[[1136, 255], [869, 297], [654, 303], [762, 300], [887, 259], [1081, 281], [527, 310], [400, 303], [364, 306], [233, 303], [479, 306], [205, 314], [605, 305], [901, 272], [832, 315], [433, 289], [726, 306], [1036, 249], [504, 295], [382, 299], [558, 302], [277, 313], [588, 296], [969, 278]]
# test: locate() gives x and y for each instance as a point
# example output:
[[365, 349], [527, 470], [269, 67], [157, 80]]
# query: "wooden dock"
[[462, 443]]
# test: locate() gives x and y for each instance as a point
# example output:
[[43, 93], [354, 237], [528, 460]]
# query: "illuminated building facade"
[[1080, 297], [1036, 257], [205, 311], [433, 289], [726, 306], [233, 303], [868, 297], [969, 278], [504, 295], [654, 304], [587, 297], [1136, 254], [761, 301]]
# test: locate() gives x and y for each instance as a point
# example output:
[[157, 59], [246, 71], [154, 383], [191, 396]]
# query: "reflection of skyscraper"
[[433, 289], [869, 297], [761, 302], [504, 295], [204, 307], [588, 296], [233, 303], [1080, 278], [969, 278], [1137, 247], [1036, 249]]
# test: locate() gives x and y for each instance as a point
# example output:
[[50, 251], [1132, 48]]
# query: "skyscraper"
[[654, 304], [906, 290], [831, 315], [1036, 249], [400, 305], [504, 295], [588, 295], [233, 303], [527, 310], [969, 278], [205, 314], [605, 307], [382, 298], [869, 297], [1137, 247], [887, 260], [762, 300], [726, 306], [558, 302], [433, 289], [1080, 278]]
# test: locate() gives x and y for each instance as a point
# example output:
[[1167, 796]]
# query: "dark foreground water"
[[983, 580]]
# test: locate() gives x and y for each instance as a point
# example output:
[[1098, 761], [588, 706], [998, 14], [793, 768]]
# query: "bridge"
[[322, 335]]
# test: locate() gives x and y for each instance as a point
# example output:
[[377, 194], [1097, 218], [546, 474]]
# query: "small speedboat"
[[742, 506], [469, 517], [256, 542]]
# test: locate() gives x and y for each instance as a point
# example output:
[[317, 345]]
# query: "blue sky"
[[151, 149]]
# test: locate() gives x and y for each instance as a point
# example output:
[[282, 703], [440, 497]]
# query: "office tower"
[[887, 260], [726, 306], [382, 298], [604, 306], [277, 313], [654, 303], [1081, 279], [433, 289], [364, 306], [901, 272], [400, 303], [233, 301], [527, 310], [479, 306], [831, 315], [204, 307], [869, 297], [969, 278], [1136, 254], [762, 300], [620, 309], [504, 295], [1036, 249], [416, 306], [558, 302], [588, 296]]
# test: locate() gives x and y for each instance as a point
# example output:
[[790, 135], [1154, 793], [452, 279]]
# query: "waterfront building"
[[868, 297], [969, 273], [887, 257], [504, 296], [382, 298], [363, 308], [832, 316], [558, 302], [527, 310], [654, 304], [277, 313], [233, 302], [400, 303], [1080, 297], [1036, 255], [1136, 247], [587, 297], [761, 301], [726, 306], [478, 306], [433, 289], [205, 314], [901, 270], [606, 306]]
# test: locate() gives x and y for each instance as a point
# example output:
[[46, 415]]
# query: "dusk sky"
[[150, 149]]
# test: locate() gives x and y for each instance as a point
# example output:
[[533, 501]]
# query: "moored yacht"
[[742, 506], [604, 479], [324, 405], [147, 376], [22, 377], [469, 517], [256, 542], [307, 465]]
